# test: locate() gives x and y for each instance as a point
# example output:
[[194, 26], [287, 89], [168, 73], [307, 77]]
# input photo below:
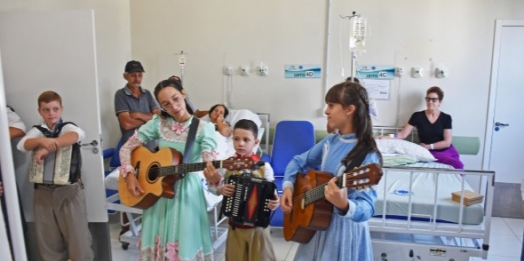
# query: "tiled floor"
[[505, 243]]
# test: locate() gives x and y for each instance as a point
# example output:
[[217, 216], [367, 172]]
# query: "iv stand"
[[353, 53], [182, 64]]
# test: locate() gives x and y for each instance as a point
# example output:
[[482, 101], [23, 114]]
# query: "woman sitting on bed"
[[217, 115], [434, 129]]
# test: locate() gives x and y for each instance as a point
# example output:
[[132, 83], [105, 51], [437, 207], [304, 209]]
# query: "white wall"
[[406, 33], [112, 24]]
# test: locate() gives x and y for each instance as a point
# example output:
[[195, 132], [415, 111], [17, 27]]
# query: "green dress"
[[178, 228]]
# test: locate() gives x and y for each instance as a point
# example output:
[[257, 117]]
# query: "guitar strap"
[[357, 160], [190, 139]]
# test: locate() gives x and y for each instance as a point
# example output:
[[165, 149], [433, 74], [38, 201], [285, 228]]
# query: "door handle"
[[500, 124], [93, 144]]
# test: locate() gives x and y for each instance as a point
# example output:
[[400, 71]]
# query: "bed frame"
[[396, 239], [218, 229]]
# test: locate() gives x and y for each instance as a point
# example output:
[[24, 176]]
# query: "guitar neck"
[[318, 192], [189, 167]]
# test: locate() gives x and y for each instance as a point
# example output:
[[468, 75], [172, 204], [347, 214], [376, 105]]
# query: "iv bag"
[[357, 34]]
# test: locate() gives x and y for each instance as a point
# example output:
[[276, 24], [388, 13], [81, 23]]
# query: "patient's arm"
[[223, 127]]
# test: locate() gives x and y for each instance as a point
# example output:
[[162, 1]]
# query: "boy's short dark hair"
[[49, 96], [247, 125]]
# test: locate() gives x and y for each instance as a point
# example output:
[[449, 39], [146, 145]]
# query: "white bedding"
[[225, 147], [422, 195]]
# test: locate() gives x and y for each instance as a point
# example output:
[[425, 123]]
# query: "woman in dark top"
[[434, 129]]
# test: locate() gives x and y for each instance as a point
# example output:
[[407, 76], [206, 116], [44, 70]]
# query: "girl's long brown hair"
[[351, 93]]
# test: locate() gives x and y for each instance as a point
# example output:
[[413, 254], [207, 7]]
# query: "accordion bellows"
[[56, 168]]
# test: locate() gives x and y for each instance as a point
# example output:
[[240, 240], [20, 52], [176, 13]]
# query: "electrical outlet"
[[263, 71], [441, 72], [416, 72], [399, 71], [228, 71], [244, 70]]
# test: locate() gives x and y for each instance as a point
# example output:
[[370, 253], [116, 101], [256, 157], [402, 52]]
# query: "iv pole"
[[182, 64], [353, 52]]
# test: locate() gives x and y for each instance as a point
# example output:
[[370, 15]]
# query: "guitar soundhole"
[[152, 174]]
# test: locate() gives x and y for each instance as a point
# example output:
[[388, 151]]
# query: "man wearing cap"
[[134, 105]]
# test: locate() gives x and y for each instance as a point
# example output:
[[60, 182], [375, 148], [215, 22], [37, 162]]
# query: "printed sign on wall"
[[302, 70], [376, 72]]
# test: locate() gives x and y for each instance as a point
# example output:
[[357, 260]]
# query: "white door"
[[505, 127], [56, 51]]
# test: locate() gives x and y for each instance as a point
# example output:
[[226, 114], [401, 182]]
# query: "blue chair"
[[291, 138], [114, 162]]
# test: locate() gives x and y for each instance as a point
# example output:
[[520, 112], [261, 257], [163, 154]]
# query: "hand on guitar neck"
[[335, 195], [211, 174]]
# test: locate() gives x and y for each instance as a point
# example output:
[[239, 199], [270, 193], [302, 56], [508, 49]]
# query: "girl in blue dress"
[[347, 237]]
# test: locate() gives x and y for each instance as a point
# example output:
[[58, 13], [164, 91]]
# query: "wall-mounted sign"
[[377, 89], [376, 72], [302, 70]]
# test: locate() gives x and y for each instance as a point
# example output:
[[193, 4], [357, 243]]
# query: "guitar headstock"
[[234, 163], [362, 177]]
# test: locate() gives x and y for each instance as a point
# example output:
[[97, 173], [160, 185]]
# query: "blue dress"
[[347, 237]]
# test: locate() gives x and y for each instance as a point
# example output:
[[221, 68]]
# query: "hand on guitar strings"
[[132, 185], [286, 202], [336, 195], [211, 174]]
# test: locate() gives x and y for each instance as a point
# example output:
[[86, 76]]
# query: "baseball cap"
[[134, 66]]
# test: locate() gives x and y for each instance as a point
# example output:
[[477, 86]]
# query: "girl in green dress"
[[178, 228]]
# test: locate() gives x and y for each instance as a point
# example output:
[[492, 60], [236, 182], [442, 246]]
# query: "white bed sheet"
[[422, 195]]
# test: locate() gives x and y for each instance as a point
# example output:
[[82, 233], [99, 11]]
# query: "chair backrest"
[[115, 158], [291, 138]]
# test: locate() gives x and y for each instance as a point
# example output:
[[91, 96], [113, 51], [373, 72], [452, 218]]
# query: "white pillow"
[[404, 147], [236, 115]]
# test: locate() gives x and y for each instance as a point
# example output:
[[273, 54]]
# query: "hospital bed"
[[225, 150], [415, 217]]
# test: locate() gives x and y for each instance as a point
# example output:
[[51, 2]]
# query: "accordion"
[[61, 167], [249, 204]]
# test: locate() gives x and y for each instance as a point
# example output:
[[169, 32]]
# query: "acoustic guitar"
[[157, 173], [311, 211]]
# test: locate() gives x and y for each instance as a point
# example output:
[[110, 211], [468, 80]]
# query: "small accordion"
[[249, 204], [61, 167]]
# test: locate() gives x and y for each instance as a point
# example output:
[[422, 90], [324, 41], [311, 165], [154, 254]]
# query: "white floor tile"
[[516, 226], [504, 245], [281, 247], [291, 255], [498, 226], [501, 258]]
